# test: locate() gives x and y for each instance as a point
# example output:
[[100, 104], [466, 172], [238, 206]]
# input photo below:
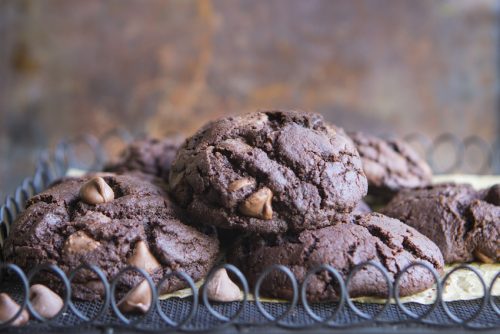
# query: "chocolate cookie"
[[150, 156], [110, 221], [390, 165], [371, 237], [268, 172], [464, 223]]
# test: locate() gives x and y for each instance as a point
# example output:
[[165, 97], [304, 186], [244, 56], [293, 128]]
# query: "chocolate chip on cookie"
[[390, 165], [268, 172], [80, 242], [139, 227], [371, 237], [96, 191], [258, 204], [463, 222], [143, 258]]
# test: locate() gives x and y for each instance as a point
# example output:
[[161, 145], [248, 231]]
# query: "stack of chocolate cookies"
[[285, 184], [269, 187]]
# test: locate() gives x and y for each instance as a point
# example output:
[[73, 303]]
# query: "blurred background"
[[387, 67]]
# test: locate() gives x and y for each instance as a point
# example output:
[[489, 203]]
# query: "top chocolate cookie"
[[268, 172], [390, 165], [149, 156]]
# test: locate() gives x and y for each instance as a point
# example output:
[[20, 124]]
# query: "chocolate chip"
[[80, 242], [258, 204], [241, 183], [483, 258], [45, 301], [9, 308], [137, 300], [96, 191], [143, 258], [176, 178], [220, 288]]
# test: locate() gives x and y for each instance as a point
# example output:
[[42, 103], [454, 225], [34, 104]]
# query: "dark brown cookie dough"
[[371, 237], [268, 172], [456, 217], [390, 165], [135, 224], [149, 156]]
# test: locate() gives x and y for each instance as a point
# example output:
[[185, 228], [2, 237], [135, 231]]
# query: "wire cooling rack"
[[196, 313]]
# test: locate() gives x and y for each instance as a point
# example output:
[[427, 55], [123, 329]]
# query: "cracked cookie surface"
[[463, 222], [268, 172], [370, 237], [138, 227], [390, 165], [149, 156]]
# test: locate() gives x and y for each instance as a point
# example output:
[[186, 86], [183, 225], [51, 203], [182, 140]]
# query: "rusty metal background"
[[70, 67]]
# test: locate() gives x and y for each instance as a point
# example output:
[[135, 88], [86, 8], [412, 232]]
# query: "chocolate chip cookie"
[[268, 172], [463, 222], [150, 156], [111, 221], [371, 237], [390, 165]]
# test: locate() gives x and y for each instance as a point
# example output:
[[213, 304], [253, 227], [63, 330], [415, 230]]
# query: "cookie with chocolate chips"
[[463, 222], [111, 221], [269, 172], [371, 237], [149, 156], [390, 165]]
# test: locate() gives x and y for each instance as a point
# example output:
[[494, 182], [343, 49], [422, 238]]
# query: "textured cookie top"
[[371, 237], [132, 220], [268, 172], [391, 164], [464, 223], [150, 156]]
